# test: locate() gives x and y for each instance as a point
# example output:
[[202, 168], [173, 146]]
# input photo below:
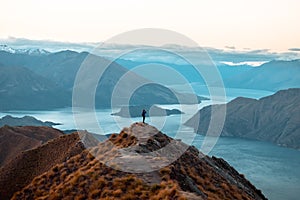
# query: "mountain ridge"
[[192, 176], [274, 118], [30, 163], [29, 51], [273, 76], [24, 121], [14, 140]]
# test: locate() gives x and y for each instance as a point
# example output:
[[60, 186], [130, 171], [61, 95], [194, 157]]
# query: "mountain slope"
[[61, 68], [192, 176], [14, 140], [275, 118], [184, 69], [273, 76], [24, 121], [30, 163], [21, 88]]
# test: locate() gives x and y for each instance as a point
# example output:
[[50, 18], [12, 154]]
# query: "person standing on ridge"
[[144, 115]]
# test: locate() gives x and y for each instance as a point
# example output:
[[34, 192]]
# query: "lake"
[[273, 169]]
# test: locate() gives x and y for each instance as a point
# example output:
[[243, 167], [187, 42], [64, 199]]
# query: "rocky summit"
[[140, 163]]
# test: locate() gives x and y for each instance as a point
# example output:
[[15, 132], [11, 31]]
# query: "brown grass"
[[21, 170], [84, 177]]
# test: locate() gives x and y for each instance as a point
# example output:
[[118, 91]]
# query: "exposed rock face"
[[24, 121], [192, 176], [135, 111], [275, 118]]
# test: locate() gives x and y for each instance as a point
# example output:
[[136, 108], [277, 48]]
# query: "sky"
[[232, 24]]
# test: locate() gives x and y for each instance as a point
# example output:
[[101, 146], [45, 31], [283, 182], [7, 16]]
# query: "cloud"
[[230, 47], [152, 54], [294, 49], [237, 56], [49, 45], [249, 63]]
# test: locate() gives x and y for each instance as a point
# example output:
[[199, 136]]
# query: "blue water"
[[273, 169]]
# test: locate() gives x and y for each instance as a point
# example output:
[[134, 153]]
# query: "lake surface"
[[273, 169]]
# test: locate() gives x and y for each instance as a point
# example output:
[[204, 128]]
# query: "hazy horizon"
[[228, 56], [228, 24]]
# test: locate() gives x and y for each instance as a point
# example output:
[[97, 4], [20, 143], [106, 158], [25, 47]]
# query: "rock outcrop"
[[274, 118], [103, 172]]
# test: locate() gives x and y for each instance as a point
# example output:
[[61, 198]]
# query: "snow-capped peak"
[[7, 48], [29, 51]]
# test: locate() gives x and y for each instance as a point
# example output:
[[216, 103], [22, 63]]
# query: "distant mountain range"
[[36, 79], [271, 76], [188, 71], [24, 121], [31, 51], [45, 81], [274, 118]]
